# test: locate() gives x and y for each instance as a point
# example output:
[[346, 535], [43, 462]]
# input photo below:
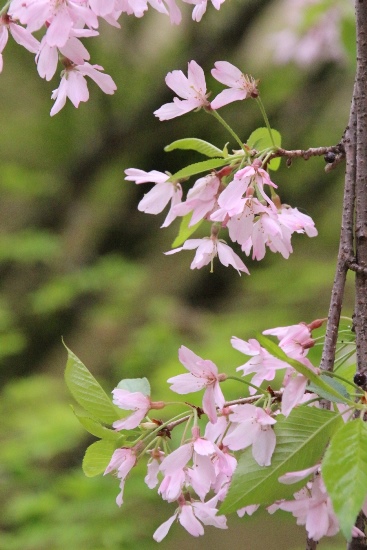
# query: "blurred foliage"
[[79, 261]]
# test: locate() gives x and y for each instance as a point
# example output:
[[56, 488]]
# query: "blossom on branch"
[[252, 427], [209, 248], [190, 514], [159, 196], [202, 374], [191, 88], [21, 35], [74, 86], [240, 86]]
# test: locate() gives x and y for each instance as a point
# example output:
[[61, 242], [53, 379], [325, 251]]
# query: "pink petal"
[[189, 521], [163, 529]]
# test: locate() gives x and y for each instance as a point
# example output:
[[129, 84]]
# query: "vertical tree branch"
[[346, 250], [360, 320], [360, 311]]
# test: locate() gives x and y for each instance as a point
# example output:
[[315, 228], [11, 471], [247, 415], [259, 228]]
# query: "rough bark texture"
[[360, 313]]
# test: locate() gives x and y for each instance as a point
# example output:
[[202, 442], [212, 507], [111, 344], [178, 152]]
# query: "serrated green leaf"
[[96, 428], [97, 457], [185, 231], [87, 392], [135, 385], [260, 139], [199, 167], [340, 388], [344, 471], [301, 440], [199, 145], [316, 379]]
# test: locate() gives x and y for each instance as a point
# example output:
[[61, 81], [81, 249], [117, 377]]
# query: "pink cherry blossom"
[[203, 374], [191, 88], [312, 507], [294, 340], [200, 200], [190, 514], [232, 200], [122, 460], [240, 86], [263, 364], [207, 249], [253, 427], [249, 510], [135, 401], [267, 231], [200, 7], [151, 479], [21, 35], [47, 57], [296, 221], [74, 86]]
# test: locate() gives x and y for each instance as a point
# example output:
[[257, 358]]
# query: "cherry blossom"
[[263, 364], [207, 249], [203, 374], [240, 86], [294, 340], [253, 428], [21, 35], [122, 460], [191, 88], [200, 7], [159, 196], [151, 479], [312, 507], [74, 86], [200, 200], [135, 401], [190, 514]]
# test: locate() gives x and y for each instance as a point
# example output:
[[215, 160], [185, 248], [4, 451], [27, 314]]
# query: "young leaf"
[[135, 385], [97, 457], [96, 428], [317, 380], [344, 471], [199, 167], [260, 140], [301, 440], [340, 388], [185, 231], [199, 145], [87, 392]]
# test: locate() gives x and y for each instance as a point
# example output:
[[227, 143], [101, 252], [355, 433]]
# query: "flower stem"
[[266, 120], [228, 128]]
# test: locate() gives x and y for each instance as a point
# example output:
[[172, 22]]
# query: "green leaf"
[[199, 167], [185, 231], [301, 440], [87, 392], [317, 380], [335, 384], [260, 140], [97, 457], [96, 428], [344, 471], [135, 385], [199, 145]]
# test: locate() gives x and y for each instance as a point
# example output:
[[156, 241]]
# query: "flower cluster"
[[240, 196], [64, 22], [197, 474]]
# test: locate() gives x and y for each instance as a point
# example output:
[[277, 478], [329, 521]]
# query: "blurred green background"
[[79, 261]]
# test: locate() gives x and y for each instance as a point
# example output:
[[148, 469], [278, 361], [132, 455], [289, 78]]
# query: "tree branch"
[[346, 250]]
